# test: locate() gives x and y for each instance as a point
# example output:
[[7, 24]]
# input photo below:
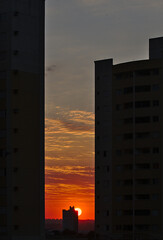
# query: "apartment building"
[[22, 119], [129, 147]]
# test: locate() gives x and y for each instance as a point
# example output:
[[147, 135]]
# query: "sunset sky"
[[78, 32]]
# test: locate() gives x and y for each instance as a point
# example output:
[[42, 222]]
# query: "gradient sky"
[[77, 33]]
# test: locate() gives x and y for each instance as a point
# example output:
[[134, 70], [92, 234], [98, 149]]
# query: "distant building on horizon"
[[22, 119], [70, 220], [129, 147]]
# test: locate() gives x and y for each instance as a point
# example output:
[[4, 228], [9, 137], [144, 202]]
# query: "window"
[[118, 227], [118, 152], [2, 133], [2, 172], [16, 33], [128, 182], [142, 104], [3, 75], [128, 151], [128, 212], [119, 168], [119, 198], [142, 212], [155, 103], [143, 88], [155, 87], [118, 92], [127, 227], [155, 118], [128, 166], [128, 197], [142, 196], [142, 151], [119, 213], [143, 166], [128, 105], [155, 181], [142, 227], [2, 55], [142, 135], [105, 153], [128, 120], [155, 150], [154, 196], [154, 212], [128, 90], [128, 136], [118, 107], [155, 165], [16, 111], [142, 119], [2, 114], [107, 227], [143, 181]]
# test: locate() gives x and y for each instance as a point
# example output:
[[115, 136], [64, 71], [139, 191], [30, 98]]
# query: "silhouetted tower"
[[22, 119], [70, 220]]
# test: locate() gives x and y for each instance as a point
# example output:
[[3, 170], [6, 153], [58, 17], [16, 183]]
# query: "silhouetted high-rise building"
[[129, 147], [70, 220], [22, 119]]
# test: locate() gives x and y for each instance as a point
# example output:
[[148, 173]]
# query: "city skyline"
[[77, 34]]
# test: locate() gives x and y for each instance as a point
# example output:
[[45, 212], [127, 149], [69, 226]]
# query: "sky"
[[78, 32]]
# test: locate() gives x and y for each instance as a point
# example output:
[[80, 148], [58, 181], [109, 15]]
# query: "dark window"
[[16, 227], [16, 111], [155, 118], [118, 152], [155, 87], [105, 153], [15, 130], [155, 165], [142, 227], [142, 181], [127, 227], [128, 182], [142, 212], [142, 119], [143, 166], [15, 150], [128, 120], [142, 135], [15, 91], [155, 150], [128, 197], [118, 227], [108, 168], [128, 212], [155, 181], [128, 90], [107, 227], [128, 105], [155, 103], [143, 88], [107, 212], [128, 136], [128, 151], [142, 196], [142, 104]]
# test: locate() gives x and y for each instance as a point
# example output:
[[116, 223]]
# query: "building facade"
[[129, 147], [70, 220], [22, 119]]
